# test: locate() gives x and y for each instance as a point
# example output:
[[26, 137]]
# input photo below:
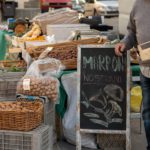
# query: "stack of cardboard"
[[60, 16]]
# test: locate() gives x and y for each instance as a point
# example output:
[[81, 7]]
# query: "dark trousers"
[[145, 83]]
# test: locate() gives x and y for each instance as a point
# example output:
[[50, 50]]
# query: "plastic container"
[[38, 139], [135, 70], [9, 9], [8, 85], [136, 99], [59, 29], [11, 23]]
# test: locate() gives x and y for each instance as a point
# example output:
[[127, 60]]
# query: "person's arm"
[[130, 39]]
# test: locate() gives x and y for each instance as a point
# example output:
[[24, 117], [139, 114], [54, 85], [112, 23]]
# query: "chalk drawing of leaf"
[[100, 122], [92, 115]]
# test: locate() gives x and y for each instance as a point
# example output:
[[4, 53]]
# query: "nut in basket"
[[20, 116]]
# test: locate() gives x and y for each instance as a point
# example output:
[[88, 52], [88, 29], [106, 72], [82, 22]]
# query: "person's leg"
[[145, 83], [0, 12], [147, 130]]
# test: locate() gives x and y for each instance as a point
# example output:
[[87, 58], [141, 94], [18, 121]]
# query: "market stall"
[[46, 82]]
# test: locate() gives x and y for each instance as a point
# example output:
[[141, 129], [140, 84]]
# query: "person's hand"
[[119, 48]]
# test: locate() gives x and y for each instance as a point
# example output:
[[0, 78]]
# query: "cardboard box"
[[62, 32]]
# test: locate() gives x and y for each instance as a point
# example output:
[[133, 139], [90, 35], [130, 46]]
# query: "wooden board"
[[14, 50]]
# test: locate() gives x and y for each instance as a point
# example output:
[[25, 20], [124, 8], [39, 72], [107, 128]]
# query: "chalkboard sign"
[[103, 93], [103, 80]]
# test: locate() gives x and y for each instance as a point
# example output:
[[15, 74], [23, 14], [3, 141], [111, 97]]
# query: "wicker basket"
[[70, 64], [11, 63], [49, 107], [36, 51], [27, 118]]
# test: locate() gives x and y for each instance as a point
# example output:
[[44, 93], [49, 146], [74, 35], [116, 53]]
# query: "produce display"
[[45, 59], [67, 56], [13, 65], [39, 38], [69, 53], [35, 52], [20, 116], [66, 52], [19, 106], [20, 27], [33, 33], [35, 86]]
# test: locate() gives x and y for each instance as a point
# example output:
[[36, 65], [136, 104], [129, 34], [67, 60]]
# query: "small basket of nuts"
[[20, 116]]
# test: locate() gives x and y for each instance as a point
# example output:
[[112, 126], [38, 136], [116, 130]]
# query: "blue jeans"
[[145, 83]]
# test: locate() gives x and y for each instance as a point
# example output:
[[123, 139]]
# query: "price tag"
[[26, 84]]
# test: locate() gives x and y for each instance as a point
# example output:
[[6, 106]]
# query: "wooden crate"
[[63, 51]]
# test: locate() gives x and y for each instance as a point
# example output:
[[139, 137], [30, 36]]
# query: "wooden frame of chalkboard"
[[102, 54]]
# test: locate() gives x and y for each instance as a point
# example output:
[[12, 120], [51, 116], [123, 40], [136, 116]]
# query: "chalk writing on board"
[[103, 63], [91, 79], [108, 99]]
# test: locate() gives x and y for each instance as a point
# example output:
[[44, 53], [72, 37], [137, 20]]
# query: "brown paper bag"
[[144, 52]]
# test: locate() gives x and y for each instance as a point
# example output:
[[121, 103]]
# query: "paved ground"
[[138, 141]]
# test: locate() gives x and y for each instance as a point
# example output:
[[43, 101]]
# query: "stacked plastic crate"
[[8, 84], [40, 138]]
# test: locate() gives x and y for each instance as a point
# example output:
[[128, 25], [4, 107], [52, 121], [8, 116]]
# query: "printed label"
[[26, 84]]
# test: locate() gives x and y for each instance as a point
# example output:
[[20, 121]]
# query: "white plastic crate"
[[8, 84], [49, 113], [59, 29], [38, 139]]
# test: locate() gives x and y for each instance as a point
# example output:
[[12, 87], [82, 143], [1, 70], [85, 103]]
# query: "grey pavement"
[[138, 140]]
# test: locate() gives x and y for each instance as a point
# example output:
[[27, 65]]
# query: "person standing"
[[138, 33], [1, 3]]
